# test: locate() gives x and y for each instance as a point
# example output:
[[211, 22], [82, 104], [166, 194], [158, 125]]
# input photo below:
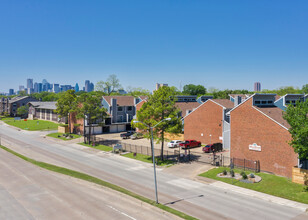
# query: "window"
[[270, 102], [120, 109], [288, 102], [264, 102], [129, 108], [293, 102], [257, 102]]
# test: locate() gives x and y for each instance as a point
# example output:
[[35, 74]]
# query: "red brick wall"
[[207, 119], [249, 126], [73, 120]]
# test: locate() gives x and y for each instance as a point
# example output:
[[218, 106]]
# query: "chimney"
[[114, 110]]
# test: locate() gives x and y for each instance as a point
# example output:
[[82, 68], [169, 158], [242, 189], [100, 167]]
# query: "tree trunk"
[[151, 144], [68, 121], [89, 125], [162, 145]]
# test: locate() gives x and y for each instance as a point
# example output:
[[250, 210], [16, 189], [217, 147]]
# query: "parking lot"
[[146, 142]]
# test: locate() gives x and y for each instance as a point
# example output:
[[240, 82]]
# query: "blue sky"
[[221, 44]]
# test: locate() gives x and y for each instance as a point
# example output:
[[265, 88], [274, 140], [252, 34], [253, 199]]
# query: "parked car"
[[190, 143], [127, 134], [136, 135], [212, 148], [174, 143]]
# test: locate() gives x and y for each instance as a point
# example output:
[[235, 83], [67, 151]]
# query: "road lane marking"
[[121, 212]]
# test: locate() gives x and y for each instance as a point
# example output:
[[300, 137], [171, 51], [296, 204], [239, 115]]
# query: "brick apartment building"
[[259, 132], [208, 122], [10, 106], [44, 111]]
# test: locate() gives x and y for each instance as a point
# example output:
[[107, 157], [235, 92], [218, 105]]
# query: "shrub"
[[63, 125], [224, 172], [251, 175], [232, 173], [76, 125], [243, 174]]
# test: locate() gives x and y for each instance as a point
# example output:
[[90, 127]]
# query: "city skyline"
[[144, 43]]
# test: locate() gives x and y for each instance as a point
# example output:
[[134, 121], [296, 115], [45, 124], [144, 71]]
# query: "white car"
[[174, 143]]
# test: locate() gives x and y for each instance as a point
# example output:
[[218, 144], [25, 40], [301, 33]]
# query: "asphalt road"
[[28, 192], [200, 200]]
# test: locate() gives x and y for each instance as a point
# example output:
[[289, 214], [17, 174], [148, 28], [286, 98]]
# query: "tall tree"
[[159, 106], [89, 108], [114, 82], [108, 86], [305, 88], [66, 104], [192, 89], [23, 111], [297, 117]]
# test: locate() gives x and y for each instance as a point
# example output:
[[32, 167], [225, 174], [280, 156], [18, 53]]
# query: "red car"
[[212, 148], [190, 143]]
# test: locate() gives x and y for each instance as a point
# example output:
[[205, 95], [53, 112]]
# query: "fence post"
[[244, 163]]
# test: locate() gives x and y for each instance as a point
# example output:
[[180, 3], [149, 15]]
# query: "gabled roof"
[[226, 103], [184, 106], [243, 96], [17, 98], [44, 105], [272, 112], [143, 97], [121, 100], [275, 114]]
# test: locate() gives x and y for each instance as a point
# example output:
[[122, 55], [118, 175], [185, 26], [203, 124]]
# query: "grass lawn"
[[270, 184], [31, 125], [148, 159], [99, 147], [55, 135]]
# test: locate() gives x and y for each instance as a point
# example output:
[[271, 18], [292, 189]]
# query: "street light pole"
[[153, 155], [153, 158]]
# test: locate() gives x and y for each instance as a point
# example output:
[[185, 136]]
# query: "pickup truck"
[[127, 134], [190, 143]]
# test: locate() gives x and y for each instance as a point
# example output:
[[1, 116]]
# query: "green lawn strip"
[[92, 179], [56, 135], [270, 184], [148, 159], [99, 147], [31, 125]]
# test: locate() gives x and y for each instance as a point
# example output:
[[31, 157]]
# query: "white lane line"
[[121, 212]]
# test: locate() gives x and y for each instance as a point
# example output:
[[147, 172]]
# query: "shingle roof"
[[184, 106], [121, 100], [275, 113], [243, 96], [44, 105], [17, 98], [143, 97], [224, 102]]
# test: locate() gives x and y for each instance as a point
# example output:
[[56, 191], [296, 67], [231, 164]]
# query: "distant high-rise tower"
[[87, 86], [158, 85], [21, 88], [76, 87], [11, 91], [257, 87], [29, 83]]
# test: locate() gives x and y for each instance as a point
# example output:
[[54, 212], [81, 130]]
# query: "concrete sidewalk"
[[260, 195]]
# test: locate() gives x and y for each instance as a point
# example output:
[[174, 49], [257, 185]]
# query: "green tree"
[[137, 91], [305, 88], [89, 108], [66, 104], [23, 111], [297, 117], [192, 89], [159, 106], [110, 85]]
